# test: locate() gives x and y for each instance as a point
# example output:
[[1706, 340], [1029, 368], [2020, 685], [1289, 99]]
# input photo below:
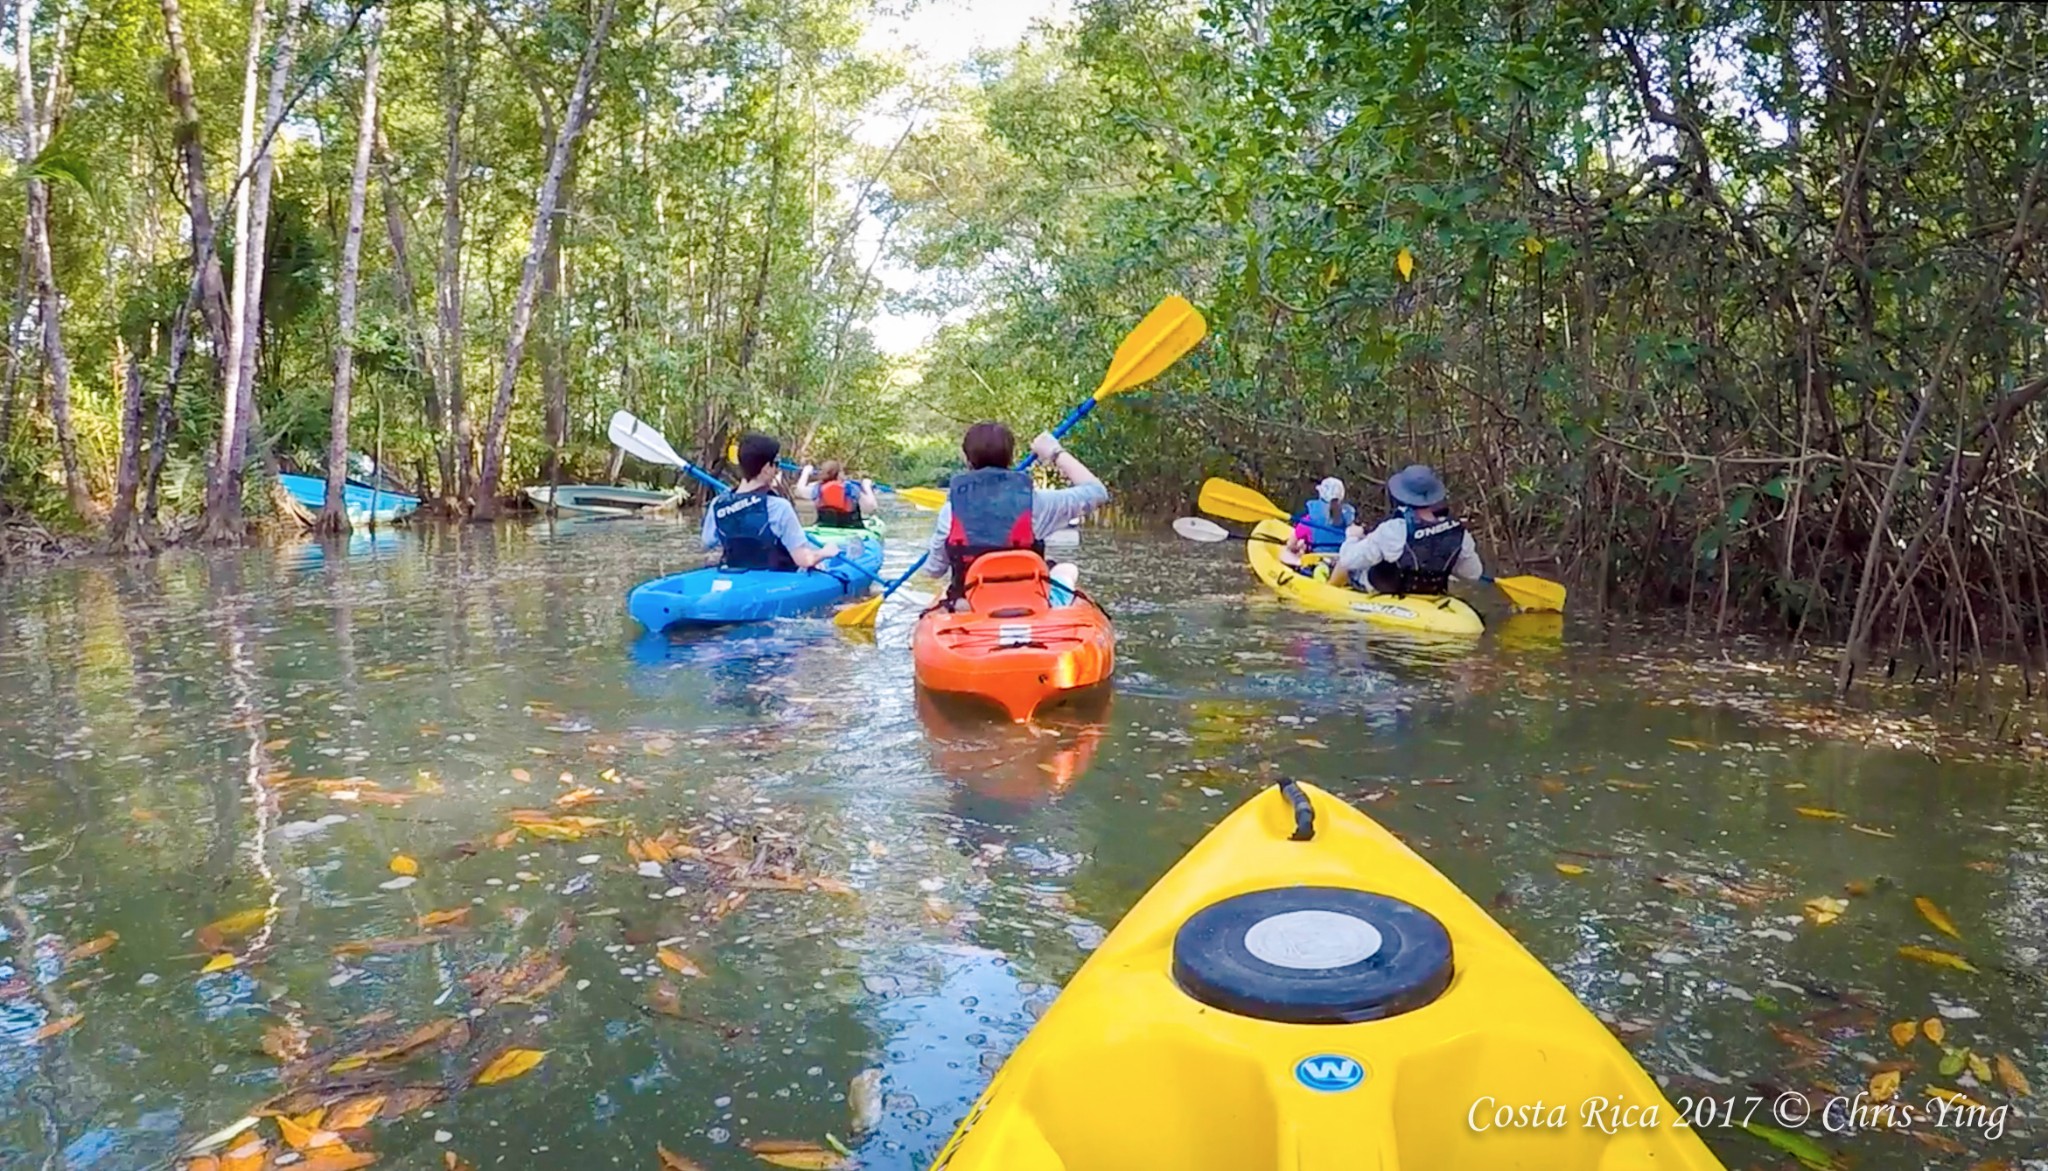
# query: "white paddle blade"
[[1196, 528], [639, 439]]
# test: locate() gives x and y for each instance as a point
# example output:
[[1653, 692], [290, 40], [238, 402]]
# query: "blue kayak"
[[366, 505], [715, 597]]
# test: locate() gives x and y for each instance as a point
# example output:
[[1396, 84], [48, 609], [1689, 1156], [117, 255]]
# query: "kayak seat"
[[1008, 583]]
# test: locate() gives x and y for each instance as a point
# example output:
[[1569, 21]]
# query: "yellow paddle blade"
[[1532, 593], [861, 613], [929, 498], [732, 454], [1167, 332], [1236, 502]]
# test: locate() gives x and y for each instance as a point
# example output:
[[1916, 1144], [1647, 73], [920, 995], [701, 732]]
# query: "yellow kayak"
[[1422, 613], [1304, 993]]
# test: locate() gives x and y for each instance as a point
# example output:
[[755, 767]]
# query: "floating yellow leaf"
[[677, 962], [1695, 745], [445, 918], [670, 1161], [355, 1061], [1825, 909], [1821, 814], [1934, 1029], [2011, 1078], [1979, 1069], [450, 1161], [400, 864], [1884, 1086], [250, 1156], [240, 923], [1570, 869], [221, 963], [1310, 742], [305, 1136], [1855, 888], [1404, 263], [92, 947], [60, 1025], [804, 1156], [1928, 955], [355, 1113], [1953, 1097], [508, 1065], [582, 796], [831, 886], [1904, 1032], [1934, 915]]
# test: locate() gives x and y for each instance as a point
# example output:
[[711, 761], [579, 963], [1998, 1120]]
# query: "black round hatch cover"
[[1313, 955]]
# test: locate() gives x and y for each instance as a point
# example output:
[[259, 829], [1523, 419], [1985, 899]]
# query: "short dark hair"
[[757, 452], [989, 445]]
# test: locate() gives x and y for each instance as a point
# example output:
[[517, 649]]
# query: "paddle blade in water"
[[1532, 593], [930, 498], [1236, 502], [1170, 330], [861, 613], [1196, 528]]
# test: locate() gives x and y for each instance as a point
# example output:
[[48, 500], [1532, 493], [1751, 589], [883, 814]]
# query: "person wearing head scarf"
[[1416, 550], [1320, 525]]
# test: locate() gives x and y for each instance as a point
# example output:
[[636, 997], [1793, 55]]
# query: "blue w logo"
[[1329, 1072]]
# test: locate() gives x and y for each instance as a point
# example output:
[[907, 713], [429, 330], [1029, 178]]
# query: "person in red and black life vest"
[[753, 526], [990, 507], [842, 504], [1416, 550]]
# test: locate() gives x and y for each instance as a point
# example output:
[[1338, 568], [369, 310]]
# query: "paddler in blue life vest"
[[1320, 525], [842, 504], [753, 526], [1418, 549], [990, 507]]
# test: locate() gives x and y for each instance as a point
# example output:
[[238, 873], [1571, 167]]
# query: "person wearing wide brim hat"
[[1320, 526], [1418, 549]]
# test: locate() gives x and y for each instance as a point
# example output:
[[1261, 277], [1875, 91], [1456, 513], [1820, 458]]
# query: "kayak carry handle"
[[1304, 813]]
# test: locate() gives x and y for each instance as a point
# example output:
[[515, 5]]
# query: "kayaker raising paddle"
[[1418, 549], [990, 507], [753, 526], [841, 503]]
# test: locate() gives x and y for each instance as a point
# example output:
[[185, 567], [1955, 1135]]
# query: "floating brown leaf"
[[522, 776], [1933, 914], [546, 985], [2011, 1078], [1934, 1029], [423, 1035], [250, 1156], [804, 1156], [670, 1161], [665, 998], [341, 1160], [445, 918], [1928, 955], [508, 1065], [407, 1099], [677, 962], [286, 1042], [92, 947], [56, 1027], [355, 1113], [304, 1133], [831, 886], [450, 1161], [1903, 1033], [575, 797], [387, 946]]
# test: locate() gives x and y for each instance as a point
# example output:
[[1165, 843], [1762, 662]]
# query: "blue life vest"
[[1325, 532], [991, 511], [745, 534]]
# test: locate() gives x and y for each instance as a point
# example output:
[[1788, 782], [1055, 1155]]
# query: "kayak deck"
[[717, 597], [1129, 1070], [1419, 613], [1016, 648]]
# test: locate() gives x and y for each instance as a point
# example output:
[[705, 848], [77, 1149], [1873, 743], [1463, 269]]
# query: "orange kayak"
[[1013, 647]]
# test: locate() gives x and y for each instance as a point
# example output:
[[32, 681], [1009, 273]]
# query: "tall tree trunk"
[[55, 360], [121, 532], [408, 305], [213, 303], [224, 477], [448, 275], [166, 404], [529, 276], [334, 512], [554, 369], [24, 301]]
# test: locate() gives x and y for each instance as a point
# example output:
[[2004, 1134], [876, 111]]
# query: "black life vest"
[[838, 505], [991, 511], [1425, 565], [745, 534]]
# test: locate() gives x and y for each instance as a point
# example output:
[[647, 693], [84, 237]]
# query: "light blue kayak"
[[366, 505], [716, 597]]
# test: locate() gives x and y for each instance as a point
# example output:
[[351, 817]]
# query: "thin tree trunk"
[[121, 532], [24, 300], [55, 360], [213, 304], [529, 276], [224, 478], [166, 404], [448, 276], [554, 369], [408, 305], [334, 513]]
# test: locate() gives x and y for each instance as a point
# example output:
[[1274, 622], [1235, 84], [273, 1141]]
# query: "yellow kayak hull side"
[[1421, 613], [1127, 1072]]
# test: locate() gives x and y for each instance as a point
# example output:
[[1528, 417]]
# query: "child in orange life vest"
[[841, 503]]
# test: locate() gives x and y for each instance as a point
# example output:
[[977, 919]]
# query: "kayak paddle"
[[1196, 528], [639, 439], [1170, 330], [1231, 501]]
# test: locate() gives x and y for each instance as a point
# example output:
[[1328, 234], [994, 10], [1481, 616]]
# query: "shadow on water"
[[228, 756]]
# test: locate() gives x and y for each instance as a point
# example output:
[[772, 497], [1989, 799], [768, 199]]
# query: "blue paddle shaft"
[[907, 574], [706, 478], [1067, 424], [790, 465]]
